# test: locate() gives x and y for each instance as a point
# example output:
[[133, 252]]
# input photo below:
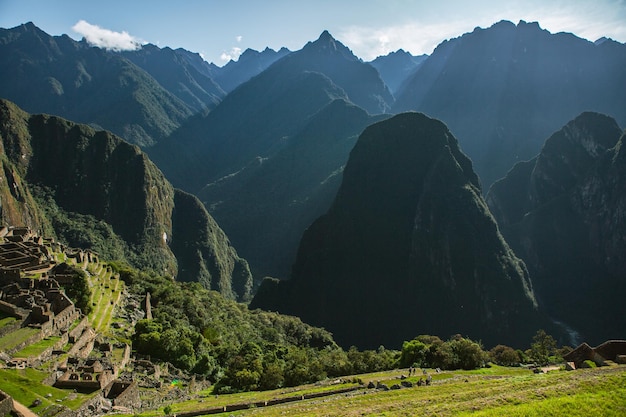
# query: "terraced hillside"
[[57, 360]]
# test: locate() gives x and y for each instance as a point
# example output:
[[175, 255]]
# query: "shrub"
[[505, 356], [589, 364]]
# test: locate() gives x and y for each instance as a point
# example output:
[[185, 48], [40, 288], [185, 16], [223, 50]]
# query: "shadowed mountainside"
[[57, 75], [396, 68], [279, 197], [504, 89], [93, 190], [564, 213], [408, 247]]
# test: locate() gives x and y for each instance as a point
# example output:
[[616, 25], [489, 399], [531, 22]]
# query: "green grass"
[[6, 320], [495, 391], [38, 348], [106, 294], [11, 340], [205, 399], [25, 386]]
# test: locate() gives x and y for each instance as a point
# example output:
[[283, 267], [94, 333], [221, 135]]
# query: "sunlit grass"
[[493, 391], [13, 339], [38, 348], [25, 385]]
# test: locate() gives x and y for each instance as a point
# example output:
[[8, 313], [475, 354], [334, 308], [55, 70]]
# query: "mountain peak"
[[325, 36], [408, 220], [328, 45]]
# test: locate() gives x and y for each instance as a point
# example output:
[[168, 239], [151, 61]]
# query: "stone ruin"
[[611, 350]]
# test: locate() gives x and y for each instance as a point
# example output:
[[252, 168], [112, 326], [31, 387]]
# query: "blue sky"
[[221, 30]]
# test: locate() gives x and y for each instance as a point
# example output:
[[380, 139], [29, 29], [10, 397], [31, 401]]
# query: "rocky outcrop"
[[408, 247], [564, 213]]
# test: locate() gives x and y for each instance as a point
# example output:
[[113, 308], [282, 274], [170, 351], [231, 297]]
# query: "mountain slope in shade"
[[360, 81], [564, 213], [396, 67], [502, 90], [408, 247], [278, 197], [175, 72], [93, 190], [250, 64], [254, 121], [57, 75]]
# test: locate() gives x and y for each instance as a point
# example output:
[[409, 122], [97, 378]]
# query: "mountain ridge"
[[108, 196], [404, 224], [562, 212], [505, 88]]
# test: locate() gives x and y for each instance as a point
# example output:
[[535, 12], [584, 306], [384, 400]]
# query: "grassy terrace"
[[106, 292], [25, 386], [11, 340], [6, 320], [494, 391], [38, 348]]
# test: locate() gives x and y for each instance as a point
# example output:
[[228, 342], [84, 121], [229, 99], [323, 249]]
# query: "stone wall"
[[6, 404], [75, 333], [13, 310], [125, 394], [65, 318]]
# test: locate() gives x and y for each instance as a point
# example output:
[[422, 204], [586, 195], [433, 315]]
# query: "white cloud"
[[423, 31], [239, 38], [105, 38], [368, 43], [233, 54]]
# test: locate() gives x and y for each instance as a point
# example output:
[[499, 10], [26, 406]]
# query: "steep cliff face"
[[203, 250], [17, 205], [564, 213], [408, 247], [94, 190]]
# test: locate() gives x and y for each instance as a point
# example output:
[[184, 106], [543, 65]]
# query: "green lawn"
[[25, 386], [11, 340], [6, 320], [38, 348], [493, 391]]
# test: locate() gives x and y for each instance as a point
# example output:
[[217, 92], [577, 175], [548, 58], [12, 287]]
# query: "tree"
[[469, 353], [505, 356], [413, 354], [542, 348]]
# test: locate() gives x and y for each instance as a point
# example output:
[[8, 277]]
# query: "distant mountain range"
[[504, 89], [142, 96], [397, 67], [263, 144]]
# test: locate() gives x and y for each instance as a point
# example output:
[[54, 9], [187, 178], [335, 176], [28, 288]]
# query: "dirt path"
[[23, 410]]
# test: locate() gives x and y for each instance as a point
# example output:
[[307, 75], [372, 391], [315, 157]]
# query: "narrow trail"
[[23, 410]]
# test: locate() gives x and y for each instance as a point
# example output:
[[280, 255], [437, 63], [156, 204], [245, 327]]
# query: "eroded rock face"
[[564, 213], [408, 247]]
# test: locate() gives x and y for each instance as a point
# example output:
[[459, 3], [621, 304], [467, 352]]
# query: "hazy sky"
[[222, 29]]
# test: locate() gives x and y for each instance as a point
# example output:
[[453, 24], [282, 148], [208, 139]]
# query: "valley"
[[304, 232]]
